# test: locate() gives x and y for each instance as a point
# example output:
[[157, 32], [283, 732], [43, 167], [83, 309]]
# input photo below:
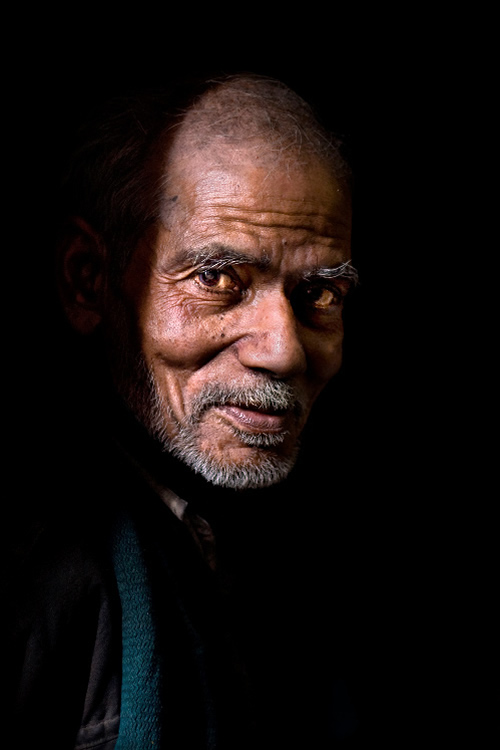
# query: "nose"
[[271, 339]]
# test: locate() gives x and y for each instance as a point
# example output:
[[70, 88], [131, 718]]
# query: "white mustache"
[[268, 395]]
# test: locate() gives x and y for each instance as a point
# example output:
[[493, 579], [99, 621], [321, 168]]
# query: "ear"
[[81, 266]]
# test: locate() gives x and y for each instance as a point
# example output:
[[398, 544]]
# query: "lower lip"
[[254, 421]]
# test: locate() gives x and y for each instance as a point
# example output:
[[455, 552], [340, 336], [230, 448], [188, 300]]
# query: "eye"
[[322, 297], [216, 280], [318, 303]]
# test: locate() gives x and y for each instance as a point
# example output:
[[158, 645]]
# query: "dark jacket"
[[248, 652], [65, 637]]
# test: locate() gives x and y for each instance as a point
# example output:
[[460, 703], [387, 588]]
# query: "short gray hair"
[[114, 178]]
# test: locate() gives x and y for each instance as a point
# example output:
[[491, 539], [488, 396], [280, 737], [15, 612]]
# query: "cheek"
[[176, 343], [180, 334], [325, 355]]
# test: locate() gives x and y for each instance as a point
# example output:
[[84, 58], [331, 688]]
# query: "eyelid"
[[222, 265], [224, 269], [218, 264], [338, 284]]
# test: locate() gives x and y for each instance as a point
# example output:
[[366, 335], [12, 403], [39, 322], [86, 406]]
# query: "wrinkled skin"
[[225, 290]]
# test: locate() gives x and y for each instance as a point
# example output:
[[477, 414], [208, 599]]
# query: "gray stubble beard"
[[263, 467]]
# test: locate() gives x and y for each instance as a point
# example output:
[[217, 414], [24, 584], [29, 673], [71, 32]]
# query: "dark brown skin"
[[257, 315], [236, 285]]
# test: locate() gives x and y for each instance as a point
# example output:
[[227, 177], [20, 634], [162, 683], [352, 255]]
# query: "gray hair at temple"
[[115, 178]]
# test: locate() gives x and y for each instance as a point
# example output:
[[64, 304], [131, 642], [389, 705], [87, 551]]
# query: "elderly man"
[[206, 256]]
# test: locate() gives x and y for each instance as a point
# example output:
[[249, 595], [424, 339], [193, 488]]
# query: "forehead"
[[251, 191]]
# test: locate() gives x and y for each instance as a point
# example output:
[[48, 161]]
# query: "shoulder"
[[63, 625]]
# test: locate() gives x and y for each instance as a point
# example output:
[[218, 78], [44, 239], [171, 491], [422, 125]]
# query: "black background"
[[410, 96]]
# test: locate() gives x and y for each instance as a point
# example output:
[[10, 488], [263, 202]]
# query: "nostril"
[[274, 349]]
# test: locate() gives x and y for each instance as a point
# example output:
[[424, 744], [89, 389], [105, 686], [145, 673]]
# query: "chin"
[[253, 469], [221, 453]]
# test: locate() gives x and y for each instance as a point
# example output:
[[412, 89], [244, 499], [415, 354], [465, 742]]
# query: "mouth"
[[255, 420]]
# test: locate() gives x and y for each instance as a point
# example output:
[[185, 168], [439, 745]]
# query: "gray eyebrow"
[[220, 256], [343, 270]]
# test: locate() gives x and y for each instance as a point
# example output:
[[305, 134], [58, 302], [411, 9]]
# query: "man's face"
[[236, 297]]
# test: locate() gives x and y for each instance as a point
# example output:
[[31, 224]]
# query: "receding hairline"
[[116, 176], [258, 114]]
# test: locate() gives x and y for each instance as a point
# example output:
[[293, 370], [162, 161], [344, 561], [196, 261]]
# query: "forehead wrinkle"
[[299, 215], [298, 207], [277, 222], [266, 202]]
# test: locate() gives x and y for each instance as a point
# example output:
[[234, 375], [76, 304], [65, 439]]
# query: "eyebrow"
[[218, 256], [342, 270]]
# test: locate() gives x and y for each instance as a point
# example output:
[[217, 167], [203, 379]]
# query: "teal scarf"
[[140, 693]]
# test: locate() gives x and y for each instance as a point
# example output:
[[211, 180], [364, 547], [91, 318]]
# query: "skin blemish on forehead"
[[168, 207]]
